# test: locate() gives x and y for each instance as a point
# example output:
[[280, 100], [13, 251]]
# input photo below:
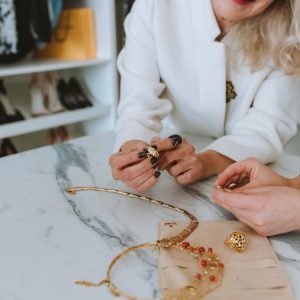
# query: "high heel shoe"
[[77, 90], [54, 104], [8, 112], [8, 148], [37, 91], [66, 97], [44, 97], [3, 116]]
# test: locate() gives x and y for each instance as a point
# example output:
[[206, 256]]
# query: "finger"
[[188, 177], [121, 160], [185, 151], [251, 219], [255, 190], [149, 183], [181, 167], [232, 200], [245, 221], [155, 140], [139, 168], [233, 170], [164, 145], [138, 181]]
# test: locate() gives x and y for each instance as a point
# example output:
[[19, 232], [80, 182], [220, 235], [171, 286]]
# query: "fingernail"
[[155, 166], [157, 174], [154, 160], [142, 154], [154, 146]]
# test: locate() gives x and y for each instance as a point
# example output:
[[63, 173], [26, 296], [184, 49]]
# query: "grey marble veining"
[[50, 239]]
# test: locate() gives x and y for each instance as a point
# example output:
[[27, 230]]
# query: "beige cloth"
[[254, 274]]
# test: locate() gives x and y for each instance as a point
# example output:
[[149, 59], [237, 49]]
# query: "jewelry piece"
[[151, 152], [237, 241], [176, 140], [230, 91], [209, 276]]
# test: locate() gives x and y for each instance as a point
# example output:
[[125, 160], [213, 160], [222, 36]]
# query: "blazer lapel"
[[211, 67]]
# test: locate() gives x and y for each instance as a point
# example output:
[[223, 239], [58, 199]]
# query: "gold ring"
[[152, 152], [237, 241]]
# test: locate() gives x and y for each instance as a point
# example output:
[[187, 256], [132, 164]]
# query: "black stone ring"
[[176, 140]]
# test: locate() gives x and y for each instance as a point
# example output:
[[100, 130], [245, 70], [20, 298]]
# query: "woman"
[[269, 203], [174, 68]]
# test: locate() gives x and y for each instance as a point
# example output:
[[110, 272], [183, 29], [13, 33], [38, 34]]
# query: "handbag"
[[73, 38]]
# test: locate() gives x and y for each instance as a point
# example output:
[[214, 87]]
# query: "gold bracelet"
[[209, 276]]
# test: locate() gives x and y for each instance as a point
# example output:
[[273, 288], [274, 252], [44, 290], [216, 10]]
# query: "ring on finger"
[[176, 140], [151, 152]]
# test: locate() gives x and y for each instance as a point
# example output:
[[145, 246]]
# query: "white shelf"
[[35, 65], [54, 120]]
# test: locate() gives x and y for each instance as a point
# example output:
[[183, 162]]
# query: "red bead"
[[203, 263], [212, 278], [201, 249], [210, 250], [221, 266], [185, 244], [198, 276]]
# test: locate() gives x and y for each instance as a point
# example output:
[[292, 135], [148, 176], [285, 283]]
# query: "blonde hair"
[[273, 36]]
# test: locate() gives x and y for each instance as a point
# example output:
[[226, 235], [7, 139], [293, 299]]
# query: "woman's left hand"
[[268, 210], [187, 166]]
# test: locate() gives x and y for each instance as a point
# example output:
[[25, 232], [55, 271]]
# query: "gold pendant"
[[230, 91]]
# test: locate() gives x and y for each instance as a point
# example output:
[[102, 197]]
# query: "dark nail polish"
[[142, 154], [154, 160], [155, 166], [154, 146], [157, 174]]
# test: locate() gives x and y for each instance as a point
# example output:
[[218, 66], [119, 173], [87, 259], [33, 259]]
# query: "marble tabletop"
[[50, 239]]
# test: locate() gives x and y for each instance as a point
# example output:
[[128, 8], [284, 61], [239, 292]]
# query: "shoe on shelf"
[[66, 96], [3, 116], [54, 104], [8, 112], [58, 135], [8, 148], [62, 132], [38, 87], [77, 90], [44, 96]]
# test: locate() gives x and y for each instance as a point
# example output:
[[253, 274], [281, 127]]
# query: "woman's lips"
[[243, 2]]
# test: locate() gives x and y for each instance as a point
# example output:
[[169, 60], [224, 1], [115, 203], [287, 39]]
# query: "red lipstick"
[[242, 2]]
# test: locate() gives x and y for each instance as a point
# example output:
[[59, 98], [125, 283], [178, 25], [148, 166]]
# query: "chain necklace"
[[201, 283]]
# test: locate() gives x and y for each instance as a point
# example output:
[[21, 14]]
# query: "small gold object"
[[230, 91], [237, 241], [152, 152]]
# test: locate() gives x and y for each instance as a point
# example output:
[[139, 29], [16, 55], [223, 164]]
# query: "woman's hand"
[[250, 173], [268, 210], [132, 167], [187, 166]]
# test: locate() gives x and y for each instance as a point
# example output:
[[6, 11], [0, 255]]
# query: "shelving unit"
[[97, 76], [35, 66]]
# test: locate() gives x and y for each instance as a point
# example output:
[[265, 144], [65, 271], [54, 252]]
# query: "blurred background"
[[58, 77]]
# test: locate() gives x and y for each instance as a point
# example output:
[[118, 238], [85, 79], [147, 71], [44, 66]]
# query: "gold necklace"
[[209, 277]]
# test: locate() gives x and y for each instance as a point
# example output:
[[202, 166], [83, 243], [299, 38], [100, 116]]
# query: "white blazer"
[[172, 68]]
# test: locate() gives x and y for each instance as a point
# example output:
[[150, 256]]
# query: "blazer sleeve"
[[141, 109], [268, 125]]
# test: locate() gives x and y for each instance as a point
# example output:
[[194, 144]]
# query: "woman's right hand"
[[249, 173], [132, 167]]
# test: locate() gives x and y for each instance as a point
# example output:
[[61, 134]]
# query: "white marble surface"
[[49, 239]]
